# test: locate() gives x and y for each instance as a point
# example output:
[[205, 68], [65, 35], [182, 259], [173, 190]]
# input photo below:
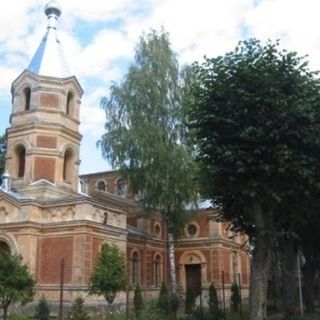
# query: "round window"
[[192, 229]]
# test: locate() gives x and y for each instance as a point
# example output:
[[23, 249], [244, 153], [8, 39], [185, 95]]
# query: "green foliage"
[[16, 282], [235, 298], [42, 309], [163, 300], [18, 317], [190, 300], [144, 135], [254, 117], [214, 309], [77, 310], [109, 275], [138, 301]]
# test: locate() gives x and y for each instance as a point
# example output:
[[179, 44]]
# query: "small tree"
[[42, 309], [214, 309], [163, 300], [77, 311], [235, 297], [138, 301], [190, 300], [109, 275], [16, 282]]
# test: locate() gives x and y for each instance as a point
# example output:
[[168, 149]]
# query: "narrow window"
[[21, 161], [69, 105], [134, 268], [67, 165], [157, 270], [27, 98], [121, 188]]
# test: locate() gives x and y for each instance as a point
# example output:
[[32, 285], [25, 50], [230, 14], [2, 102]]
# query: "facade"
[[45, 217]]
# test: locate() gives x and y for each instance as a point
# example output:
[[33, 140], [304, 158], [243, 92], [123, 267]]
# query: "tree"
[[16, 282], [137, 301], [109, 275], [3, 149], [77, 310], [214, 309], [163, 300], [254, 116], [42, 309], [145, 137], [235, 299]]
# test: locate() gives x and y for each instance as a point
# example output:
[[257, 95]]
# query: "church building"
[[48, 213]]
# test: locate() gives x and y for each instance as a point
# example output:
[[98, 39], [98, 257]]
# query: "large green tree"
[[109, 275], [145, 137], [16, 282], [254, 114]]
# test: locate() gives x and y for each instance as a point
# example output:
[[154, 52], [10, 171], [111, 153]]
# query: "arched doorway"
[[4, 247]]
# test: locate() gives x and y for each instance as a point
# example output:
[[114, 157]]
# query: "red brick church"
[[49, 213]]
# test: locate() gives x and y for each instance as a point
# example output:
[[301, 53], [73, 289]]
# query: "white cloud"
[[91, 115]]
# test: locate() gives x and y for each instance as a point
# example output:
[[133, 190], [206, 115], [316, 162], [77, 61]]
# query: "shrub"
[[42, 309], [137, 301], [163, 300], [214, 310], [77, 311], [190, 300], [235, 298]]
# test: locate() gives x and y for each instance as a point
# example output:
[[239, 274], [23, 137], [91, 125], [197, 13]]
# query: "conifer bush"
[[138, 301], [77, 310], [235, 297], [42, 309]]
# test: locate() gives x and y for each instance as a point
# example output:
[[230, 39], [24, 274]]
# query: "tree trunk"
[[260, 266], [172, 263], [290, 298], [5, 312]]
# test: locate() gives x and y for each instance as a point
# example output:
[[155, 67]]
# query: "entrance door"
[[193, 277]]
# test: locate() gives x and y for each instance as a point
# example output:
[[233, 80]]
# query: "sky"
[[99, 37]]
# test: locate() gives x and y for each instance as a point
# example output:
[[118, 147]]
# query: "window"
[[135, 268], [27, 98], [67, 165], [121, 188], [69, 106], [101, 186], [192, 229], [157, 271], [21, 160]]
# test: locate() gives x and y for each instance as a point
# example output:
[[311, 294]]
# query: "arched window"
[[157, 271], [101, 186], [67, 165], [121, 188], [70, 101], [27, 98], [135, 268], [4, 247], [21, 161]]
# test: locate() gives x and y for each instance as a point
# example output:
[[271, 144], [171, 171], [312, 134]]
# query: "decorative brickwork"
[[44, 168], [47, 142], [53, 250], [49, 100]]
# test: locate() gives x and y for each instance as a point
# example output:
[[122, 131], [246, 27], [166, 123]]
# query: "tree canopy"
[[16, 282], [109, 275], [145, 137], [254, 114], [144, 133]]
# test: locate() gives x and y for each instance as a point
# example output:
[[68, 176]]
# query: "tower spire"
[[49, 59]]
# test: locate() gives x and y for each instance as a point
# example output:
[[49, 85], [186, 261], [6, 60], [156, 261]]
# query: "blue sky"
[[99, 36]]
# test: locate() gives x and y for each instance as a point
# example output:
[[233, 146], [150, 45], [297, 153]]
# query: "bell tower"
[[44, 139]]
